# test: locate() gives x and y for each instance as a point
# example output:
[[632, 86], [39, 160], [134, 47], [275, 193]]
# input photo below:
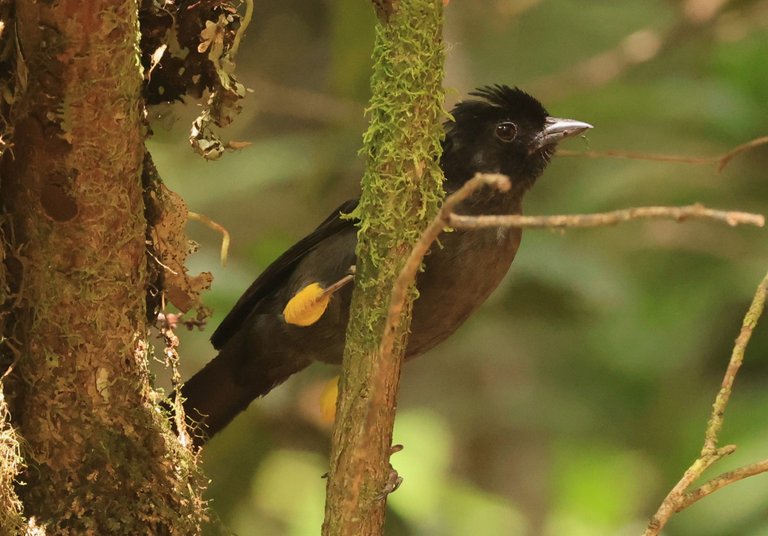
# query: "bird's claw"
[[393, 479], [390, 486]]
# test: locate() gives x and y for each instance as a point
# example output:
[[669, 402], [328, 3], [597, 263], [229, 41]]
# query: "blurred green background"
[[573, 401]]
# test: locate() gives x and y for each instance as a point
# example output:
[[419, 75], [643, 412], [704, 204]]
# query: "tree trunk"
[[100, 458]]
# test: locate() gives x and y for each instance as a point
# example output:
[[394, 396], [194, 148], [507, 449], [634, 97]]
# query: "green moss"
[[401, 188], [401, 193]]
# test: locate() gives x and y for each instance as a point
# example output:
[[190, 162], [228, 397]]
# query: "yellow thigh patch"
[[328, 401], [307, 305]]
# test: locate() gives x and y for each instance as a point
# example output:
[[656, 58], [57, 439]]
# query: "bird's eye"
[[506, 131]]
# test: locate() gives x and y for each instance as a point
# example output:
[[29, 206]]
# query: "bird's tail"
[[222, 389]]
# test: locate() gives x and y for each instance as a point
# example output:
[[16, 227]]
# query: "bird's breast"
[[459, 275]]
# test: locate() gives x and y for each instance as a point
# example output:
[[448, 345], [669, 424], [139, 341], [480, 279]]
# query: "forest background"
[[575, 398]]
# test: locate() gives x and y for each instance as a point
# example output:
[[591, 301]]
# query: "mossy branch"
[[401, 192]]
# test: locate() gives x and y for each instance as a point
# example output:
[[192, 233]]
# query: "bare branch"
[[607, 218], [715, 423], [677, 499], [721, 481], [633, 155], [721, 160], [244, 22], [744, 147], [671, 502]]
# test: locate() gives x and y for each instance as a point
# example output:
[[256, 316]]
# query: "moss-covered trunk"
[[97, 458], [401, 193]]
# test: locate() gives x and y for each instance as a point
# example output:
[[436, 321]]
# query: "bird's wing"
[[280, 269]]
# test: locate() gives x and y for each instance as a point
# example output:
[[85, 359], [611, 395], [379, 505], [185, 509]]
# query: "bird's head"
[[504, 130]]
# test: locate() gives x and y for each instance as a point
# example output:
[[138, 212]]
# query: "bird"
[[296, 310]]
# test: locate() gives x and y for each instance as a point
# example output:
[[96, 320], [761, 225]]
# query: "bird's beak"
[[556, 130]]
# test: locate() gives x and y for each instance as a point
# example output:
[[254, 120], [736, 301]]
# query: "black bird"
[[268, 335]]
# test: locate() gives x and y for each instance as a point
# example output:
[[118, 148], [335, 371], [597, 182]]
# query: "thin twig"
[[715, 423], [633, 155], [205, 220], [244, 22], [606, 218], [744, 147], [408, 274], [677, 499], [344, 281], [721, 481], [669, 504], [721, 160]]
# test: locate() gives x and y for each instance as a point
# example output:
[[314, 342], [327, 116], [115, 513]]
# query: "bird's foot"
[[393, 478], [390, 486]]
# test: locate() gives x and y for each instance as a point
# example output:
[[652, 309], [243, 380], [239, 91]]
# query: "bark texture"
[[100, 459]]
